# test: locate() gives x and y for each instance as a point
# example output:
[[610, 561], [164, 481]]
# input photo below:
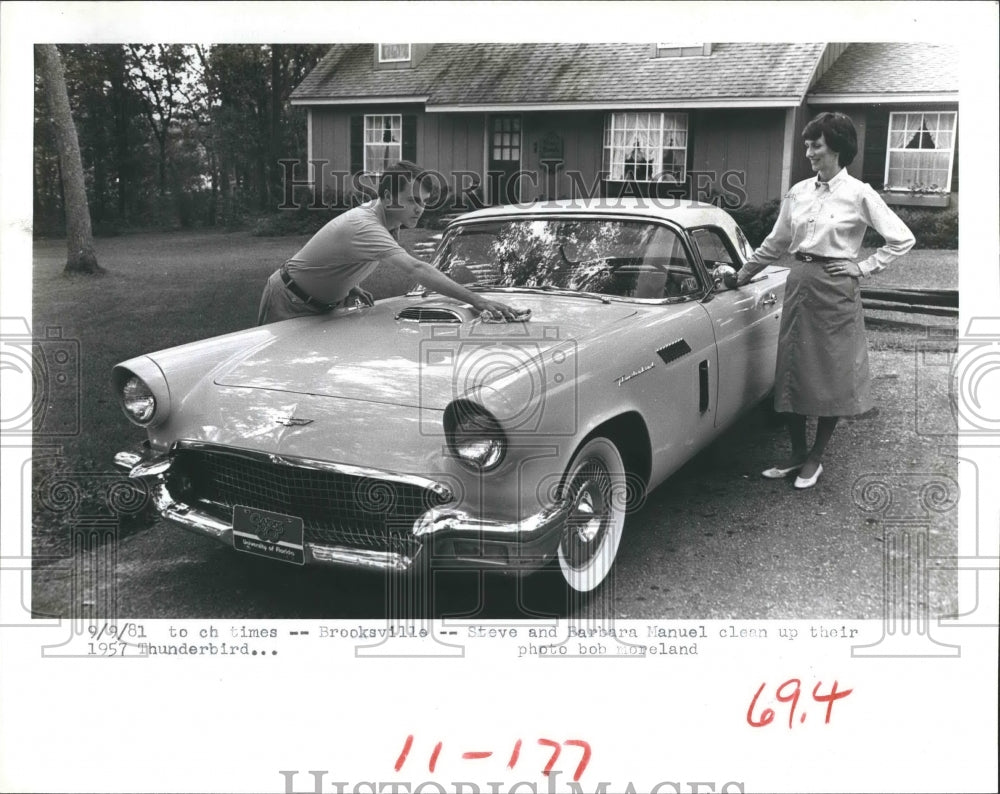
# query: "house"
[[515, 122]]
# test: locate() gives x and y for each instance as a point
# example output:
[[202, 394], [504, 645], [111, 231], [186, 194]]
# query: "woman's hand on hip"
[[843, 267]]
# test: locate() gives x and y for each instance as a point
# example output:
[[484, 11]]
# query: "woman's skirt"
[[822, 364]]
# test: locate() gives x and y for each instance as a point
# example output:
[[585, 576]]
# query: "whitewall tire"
[[595, 487]]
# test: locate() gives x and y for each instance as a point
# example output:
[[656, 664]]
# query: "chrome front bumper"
[[452, 538]]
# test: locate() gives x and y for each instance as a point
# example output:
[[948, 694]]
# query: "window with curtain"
[[921, 151], [383, 142], [646, 147]]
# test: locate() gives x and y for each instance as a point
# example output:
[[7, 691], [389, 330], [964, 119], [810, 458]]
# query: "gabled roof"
[[478, 76], [891, 72]]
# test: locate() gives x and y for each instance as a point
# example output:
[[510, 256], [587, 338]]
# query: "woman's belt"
[[803, 257]]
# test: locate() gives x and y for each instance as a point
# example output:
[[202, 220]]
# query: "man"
[[327, 271]]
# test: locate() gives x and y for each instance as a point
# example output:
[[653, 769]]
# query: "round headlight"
[[474, 436], [138, 401]]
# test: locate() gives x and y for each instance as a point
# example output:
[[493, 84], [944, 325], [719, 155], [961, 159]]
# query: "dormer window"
[[682, 49], [393, 53]]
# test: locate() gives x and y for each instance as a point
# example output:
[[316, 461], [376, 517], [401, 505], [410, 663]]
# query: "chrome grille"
[[336, 508]]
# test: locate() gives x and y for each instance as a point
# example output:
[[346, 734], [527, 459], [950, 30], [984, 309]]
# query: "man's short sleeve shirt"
[[343, 253]]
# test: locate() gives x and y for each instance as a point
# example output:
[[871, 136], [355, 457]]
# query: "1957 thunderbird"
[[416, 432]]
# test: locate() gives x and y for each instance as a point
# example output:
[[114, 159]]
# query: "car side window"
[[745, 248], [666, 270], [713, 249]]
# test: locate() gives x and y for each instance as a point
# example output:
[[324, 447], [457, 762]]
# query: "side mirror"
[[724, 276]]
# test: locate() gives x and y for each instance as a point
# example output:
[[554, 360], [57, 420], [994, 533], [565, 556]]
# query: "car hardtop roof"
[[683, 212]]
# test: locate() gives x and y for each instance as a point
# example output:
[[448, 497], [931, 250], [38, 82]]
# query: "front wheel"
[[595, 488]]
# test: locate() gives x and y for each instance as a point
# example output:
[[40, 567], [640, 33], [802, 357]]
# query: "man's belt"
[[817, 258], [302, 295]]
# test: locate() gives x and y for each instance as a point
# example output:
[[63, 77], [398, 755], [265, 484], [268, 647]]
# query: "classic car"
[[418, 433]]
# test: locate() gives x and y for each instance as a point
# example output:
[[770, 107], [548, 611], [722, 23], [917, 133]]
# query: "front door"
[[504, 159]]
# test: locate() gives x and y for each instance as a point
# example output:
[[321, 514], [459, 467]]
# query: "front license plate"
[[268, 534]]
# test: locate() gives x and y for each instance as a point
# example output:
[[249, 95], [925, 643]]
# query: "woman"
[[822, 364]]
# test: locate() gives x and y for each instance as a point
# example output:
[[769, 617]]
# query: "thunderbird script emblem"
[[292, 421]]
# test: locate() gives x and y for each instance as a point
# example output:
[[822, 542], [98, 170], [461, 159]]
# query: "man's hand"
[[363, 297], [497, 310], [743, 277], [434, 279]]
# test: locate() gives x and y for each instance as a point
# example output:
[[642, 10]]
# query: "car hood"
[[371, 354]]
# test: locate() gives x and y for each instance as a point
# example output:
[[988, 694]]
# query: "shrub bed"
[[932, 228]]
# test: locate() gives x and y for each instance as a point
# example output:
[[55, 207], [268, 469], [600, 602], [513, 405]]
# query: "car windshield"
[[630, 259]]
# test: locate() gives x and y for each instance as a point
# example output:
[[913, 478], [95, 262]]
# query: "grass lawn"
[[922, 269], [166, 289]]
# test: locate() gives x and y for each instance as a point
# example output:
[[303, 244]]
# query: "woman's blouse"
[[829, 219]]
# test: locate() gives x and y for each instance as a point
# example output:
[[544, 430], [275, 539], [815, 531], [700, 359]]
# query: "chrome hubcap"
[[590, 513]]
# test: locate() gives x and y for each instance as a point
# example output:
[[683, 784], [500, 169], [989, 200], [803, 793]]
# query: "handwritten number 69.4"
[[789, 692]]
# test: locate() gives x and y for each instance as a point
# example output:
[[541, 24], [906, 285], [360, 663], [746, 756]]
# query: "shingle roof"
[[500, 74], [889, 68]]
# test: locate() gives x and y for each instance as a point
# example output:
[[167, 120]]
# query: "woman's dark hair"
[[397, 177], [838, 132]]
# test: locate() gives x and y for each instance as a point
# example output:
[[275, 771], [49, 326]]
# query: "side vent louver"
[[674, 351], [429, 314]]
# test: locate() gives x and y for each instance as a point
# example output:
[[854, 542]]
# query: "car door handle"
[[769, 300]]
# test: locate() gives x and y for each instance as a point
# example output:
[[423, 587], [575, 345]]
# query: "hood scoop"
[[430, 314]]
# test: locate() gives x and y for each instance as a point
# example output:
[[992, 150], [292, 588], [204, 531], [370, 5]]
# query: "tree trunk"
[[79, 237]]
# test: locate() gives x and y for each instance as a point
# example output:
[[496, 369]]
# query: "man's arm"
[[434, 279]]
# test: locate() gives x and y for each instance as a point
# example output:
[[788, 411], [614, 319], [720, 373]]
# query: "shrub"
[[932, 228], [757, 222], [303, 218], [284, 223]]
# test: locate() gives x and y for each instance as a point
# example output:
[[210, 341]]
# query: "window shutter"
[[410, 138], [357, 144]]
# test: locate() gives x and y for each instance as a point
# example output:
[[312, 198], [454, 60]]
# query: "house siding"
[[330, 129], [748, 143], [582, 135], [331, 136], [450, 142]]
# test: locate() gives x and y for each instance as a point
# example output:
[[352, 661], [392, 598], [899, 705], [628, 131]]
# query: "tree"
[[253, 125], [174, 134], [161, 75], [79, 237]]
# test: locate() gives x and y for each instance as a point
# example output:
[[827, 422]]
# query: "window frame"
[[656, 169], [890, 150], [691, 256], [684, 49], [721, 239], [365, 142], [407, 59]]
